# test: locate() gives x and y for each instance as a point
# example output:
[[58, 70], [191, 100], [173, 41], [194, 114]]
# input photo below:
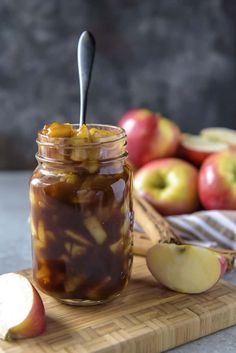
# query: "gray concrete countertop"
[[15, 253]]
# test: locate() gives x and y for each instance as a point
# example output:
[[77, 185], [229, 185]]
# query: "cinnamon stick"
[[153, 224], [158, 230]]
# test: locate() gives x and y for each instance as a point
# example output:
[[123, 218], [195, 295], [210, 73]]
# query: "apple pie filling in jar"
[[81, 213]]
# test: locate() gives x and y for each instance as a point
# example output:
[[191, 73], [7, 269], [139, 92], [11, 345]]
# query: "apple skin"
[[223, 264], [170, 185], [196, 148], [141, 126], [167, 139], [149, 135], [193, 156], [217, 181], [34, 323], [185, 268]]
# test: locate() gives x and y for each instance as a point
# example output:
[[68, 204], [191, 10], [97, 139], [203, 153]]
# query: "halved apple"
[[196, 148], [220, 134], [22, 313], [185, 268]]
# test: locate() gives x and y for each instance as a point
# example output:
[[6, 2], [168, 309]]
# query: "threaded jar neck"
[[73, 150]]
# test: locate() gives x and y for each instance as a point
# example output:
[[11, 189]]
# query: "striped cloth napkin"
[[213, 228]]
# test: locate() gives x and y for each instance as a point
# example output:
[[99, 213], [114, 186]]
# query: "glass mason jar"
[[82, 217]]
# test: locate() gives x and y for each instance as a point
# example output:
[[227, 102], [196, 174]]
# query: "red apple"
[[170, 185], [196, 148], [167, 139], [217, 181], [22, 312], [149, 136], [141, 126]]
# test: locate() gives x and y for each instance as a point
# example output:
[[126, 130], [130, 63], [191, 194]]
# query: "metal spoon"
[[85, 55]]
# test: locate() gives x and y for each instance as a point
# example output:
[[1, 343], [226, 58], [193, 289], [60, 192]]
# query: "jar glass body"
[[82, 219]]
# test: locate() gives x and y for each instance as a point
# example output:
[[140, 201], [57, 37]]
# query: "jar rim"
[[119, 134]]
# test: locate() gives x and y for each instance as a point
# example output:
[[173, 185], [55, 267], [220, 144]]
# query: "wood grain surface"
[[146, 318]]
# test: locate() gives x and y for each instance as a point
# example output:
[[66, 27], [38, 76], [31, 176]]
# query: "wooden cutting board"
[[146, 318]]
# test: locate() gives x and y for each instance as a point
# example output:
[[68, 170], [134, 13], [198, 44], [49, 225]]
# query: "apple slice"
[[22, 313], [185, 268], [196, 148], [220, 134]]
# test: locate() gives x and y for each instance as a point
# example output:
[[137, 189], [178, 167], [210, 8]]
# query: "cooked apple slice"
[[95, 293], [73, 283], [220, 134], [95, 228], [185, 268], [77, 237], [22, 313], [117, 247], [196, 148]]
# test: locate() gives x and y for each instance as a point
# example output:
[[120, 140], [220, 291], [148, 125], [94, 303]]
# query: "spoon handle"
[[85, 54]]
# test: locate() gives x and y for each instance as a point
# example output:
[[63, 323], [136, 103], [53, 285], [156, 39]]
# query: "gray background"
[[173, 56]]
